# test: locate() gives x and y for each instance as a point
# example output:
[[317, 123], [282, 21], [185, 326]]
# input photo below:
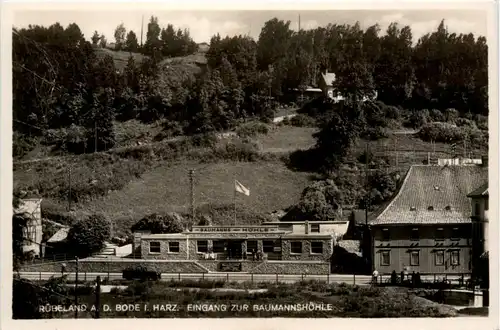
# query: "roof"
[[59, 236], [480, 192], [329, 78], [434, 195]]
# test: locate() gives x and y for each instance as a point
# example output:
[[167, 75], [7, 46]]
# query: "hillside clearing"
[[166, 188]]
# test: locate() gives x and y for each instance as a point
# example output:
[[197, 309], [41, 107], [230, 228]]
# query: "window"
[[251, 246], [317, 247], [218, 246], [315, 228], [414, 258], [296, 247], [386, 234], [455, 258], [439, 258], [477, 209], [154, 247], [414, 234], [430, 208], [173, 247], [455, 234], [486, 203], [385, 258], [268, 246], [439, 234], [202, 246]]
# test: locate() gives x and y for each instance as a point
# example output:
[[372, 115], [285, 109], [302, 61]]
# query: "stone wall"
[[104, 266], [306, 250], [164, 253], [283, 267]]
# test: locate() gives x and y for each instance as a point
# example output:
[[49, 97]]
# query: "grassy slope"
[[166, 188]]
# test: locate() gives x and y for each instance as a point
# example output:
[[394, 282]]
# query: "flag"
[[240, 188]]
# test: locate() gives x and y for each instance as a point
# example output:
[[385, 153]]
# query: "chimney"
[[484, 161], [306, 227]]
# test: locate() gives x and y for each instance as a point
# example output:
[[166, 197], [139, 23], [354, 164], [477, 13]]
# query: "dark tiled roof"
[[481, 191], [434, 195]]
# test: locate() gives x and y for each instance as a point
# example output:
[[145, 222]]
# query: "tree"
[[104, 41], [95, 38], [87, 236], [131, 43], [338, 134], [160, 224], [120, 32], [152, 46]]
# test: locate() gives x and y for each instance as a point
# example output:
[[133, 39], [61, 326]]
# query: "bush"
[[441, 132], [87, 236], [419, 118], [22, 144], [462, 122], [160, 224], [392, 112], [204, 140], [302, 120], [437, 115], [482, 122], [451, 115], [237, 150], [252, 129], [375, 133]]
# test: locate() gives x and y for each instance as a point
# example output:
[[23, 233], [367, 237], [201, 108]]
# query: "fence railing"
[[224, 277]]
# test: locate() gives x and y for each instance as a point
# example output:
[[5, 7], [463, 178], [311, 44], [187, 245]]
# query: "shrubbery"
[[301, 120], [441, 132], [160, 224], [87, 236], [251, 129]]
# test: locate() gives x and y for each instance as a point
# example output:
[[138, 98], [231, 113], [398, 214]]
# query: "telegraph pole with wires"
[[76, 288], [142, 28], [366, 185], [69, 189]]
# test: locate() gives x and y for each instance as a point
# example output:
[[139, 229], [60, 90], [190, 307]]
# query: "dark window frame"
[[486, 203], [218, 246], [385, 253], [151, 246], [412, 253], [436, 254], [477, 209], [267, 247], [175, 243], [457, 253], [313, 247], [438, 237], [386, 234], [198, 246], [455, 234], [292, 247], [412, 237], [249, 247], [313, 228]]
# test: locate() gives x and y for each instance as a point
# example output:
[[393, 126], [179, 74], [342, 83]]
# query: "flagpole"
[[234, 202]]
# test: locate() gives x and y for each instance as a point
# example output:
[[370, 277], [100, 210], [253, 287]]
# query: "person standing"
[[375, 277]]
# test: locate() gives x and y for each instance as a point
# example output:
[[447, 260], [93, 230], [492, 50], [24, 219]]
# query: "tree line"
[[60, 82]]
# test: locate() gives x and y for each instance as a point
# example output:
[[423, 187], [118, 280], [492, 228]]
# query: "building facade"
[[480, 221], [427, 227], [239, 248], [33, 232]]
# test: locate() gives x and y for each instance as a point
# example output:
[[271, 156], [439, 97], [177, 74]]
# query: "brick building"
[[427, 226], [294, 246]]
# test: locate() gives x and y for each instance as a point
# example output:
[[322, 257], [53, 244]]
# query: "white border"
[[6, 166]]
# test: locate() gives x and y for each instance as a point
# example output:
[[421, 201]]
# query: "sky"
[[204, 24]]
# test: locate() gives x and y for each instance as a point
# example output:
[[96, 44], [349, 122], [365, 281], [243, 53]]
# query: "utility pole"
[[98, 297], [142, 28], [69, 189], [366, 185], [191, 181], [95, 136], [76, 289]]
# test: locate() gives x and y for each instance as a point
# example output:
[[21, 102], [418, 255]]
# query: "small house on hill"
[[326, 83], [426, 228]]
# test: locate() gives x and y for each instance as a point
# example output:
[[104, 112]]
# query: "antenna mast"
[[142, 28]]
